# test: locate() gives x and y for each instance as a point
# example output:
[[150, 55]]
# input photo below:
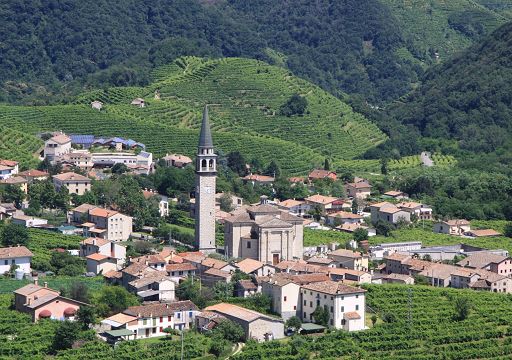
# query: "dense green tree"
[[294, 323], [296, 105], [229, 331], [508, 230], [237, 163], [86, 317], [79, 291], [65, 335], [463, 308], [321, 315], [113, 299], [360, 235], [12, 194], [14, 234]]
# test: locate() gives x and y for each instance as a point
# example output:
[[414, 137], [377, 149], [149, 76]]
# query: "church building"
[[206, 172], [264, 233]]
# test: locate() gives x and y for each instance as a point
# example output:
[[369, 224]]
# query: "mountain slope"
[[247, 97], [436, 29], [467, 99]]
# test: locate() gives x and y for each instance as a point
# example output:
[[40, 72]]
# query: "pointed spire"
[[205, 138]]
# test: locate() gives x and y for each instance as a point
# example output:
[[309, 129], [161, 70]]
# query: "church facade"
[[264, 233], [206, 173]]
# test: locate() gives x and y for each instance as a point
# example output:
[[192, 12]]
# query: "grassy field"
[[424, 328], [321, 237]]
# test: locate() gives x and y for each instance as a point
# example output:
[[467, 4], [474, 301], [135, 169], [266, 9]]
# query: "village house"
[[236, 201], [18, 257], [147, 321], [379, 251], [178, 272], [41, 302], [346, 304], [28, 221], [246, 288], [79, 158], [18, 181], [321, 261], [264, 233], [349, 259], [452, 227], [254, 179], [398, 279], [294, 207], [155, 261], [57, 146], [394, 194], [7, 210], [348, 276], [102, 255], [482, 233], [320, 174], [163, 201], [488, 261], [343, 217], [352, 227], [256, 326], [8, 168], [325, 203], [75, 183], [359, 189], [254, 267], [213, 276], [156, 286], [421, 211], [34, 175], [284, 290], [99, 263], [107, 224], [296, 180], [389, 213], [176, 160]]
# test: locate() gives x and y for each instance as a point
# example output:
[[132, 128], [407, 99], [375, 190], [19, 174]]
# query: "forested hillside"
[[373, 48], [467, 99]]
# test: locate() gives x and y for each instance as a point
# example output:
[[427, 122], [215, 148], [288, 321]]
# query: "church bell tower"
[[206, 173]]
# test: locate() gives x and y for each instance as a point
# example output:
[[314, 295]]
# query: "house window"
[[285, 298], [153, 330], [343, 322], [343, 309], [190, 313], [325, 296], [169, 318], [310, 316], [161, 319], [331, 322], [161, 329], [357, 307], [357, 296], [178, 315], [311, 304], [248, 244], [305, 302], [6, 262], [172, 273], [144, 321], [332, 310], [317, 302], [304, 315], [294, 307]]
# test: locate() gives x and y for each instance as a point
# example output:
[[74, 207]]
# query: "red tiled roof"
[[15, 252]]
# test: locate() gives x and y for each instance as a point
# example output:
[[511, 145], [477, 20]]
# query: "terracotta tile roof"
[[297, 266], [239, 218], [320, 174], [10, 163], [352, 315], [15, 252], [157, 310], [14, 180], [484, 232], [360, 185], [180, 267], [154, 277], [394, 276], [214, 263], [136, 268], [264, 209], [101, 212], [121, 318], [258, 178], [390, 209], [346, 215], [393, 193], [319, 260], [303, 279], [397, 256], [217, 273], [346, 253], [179, 158], [247, 285], [30, 289], [238, 312], [84, 208], [71, 176], [381, 204], [351, 227], [456, 222], [480, 284], [296, 179], [95, 241], [249, 265], [290, 203], [149, 259], [341, 271], [321, 199], [333, 288], [193, 256], [112, 274], [61, 139], [97, 257], [409, 205], [481, 259]]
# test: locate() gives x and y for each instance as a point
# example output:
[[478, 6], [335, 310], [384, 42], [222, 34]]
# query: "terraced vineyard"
[[19, 146], [423, 329], [247, 96]]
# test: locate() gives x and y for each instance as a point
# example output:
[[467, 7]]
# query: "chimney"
[[46, 284]]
